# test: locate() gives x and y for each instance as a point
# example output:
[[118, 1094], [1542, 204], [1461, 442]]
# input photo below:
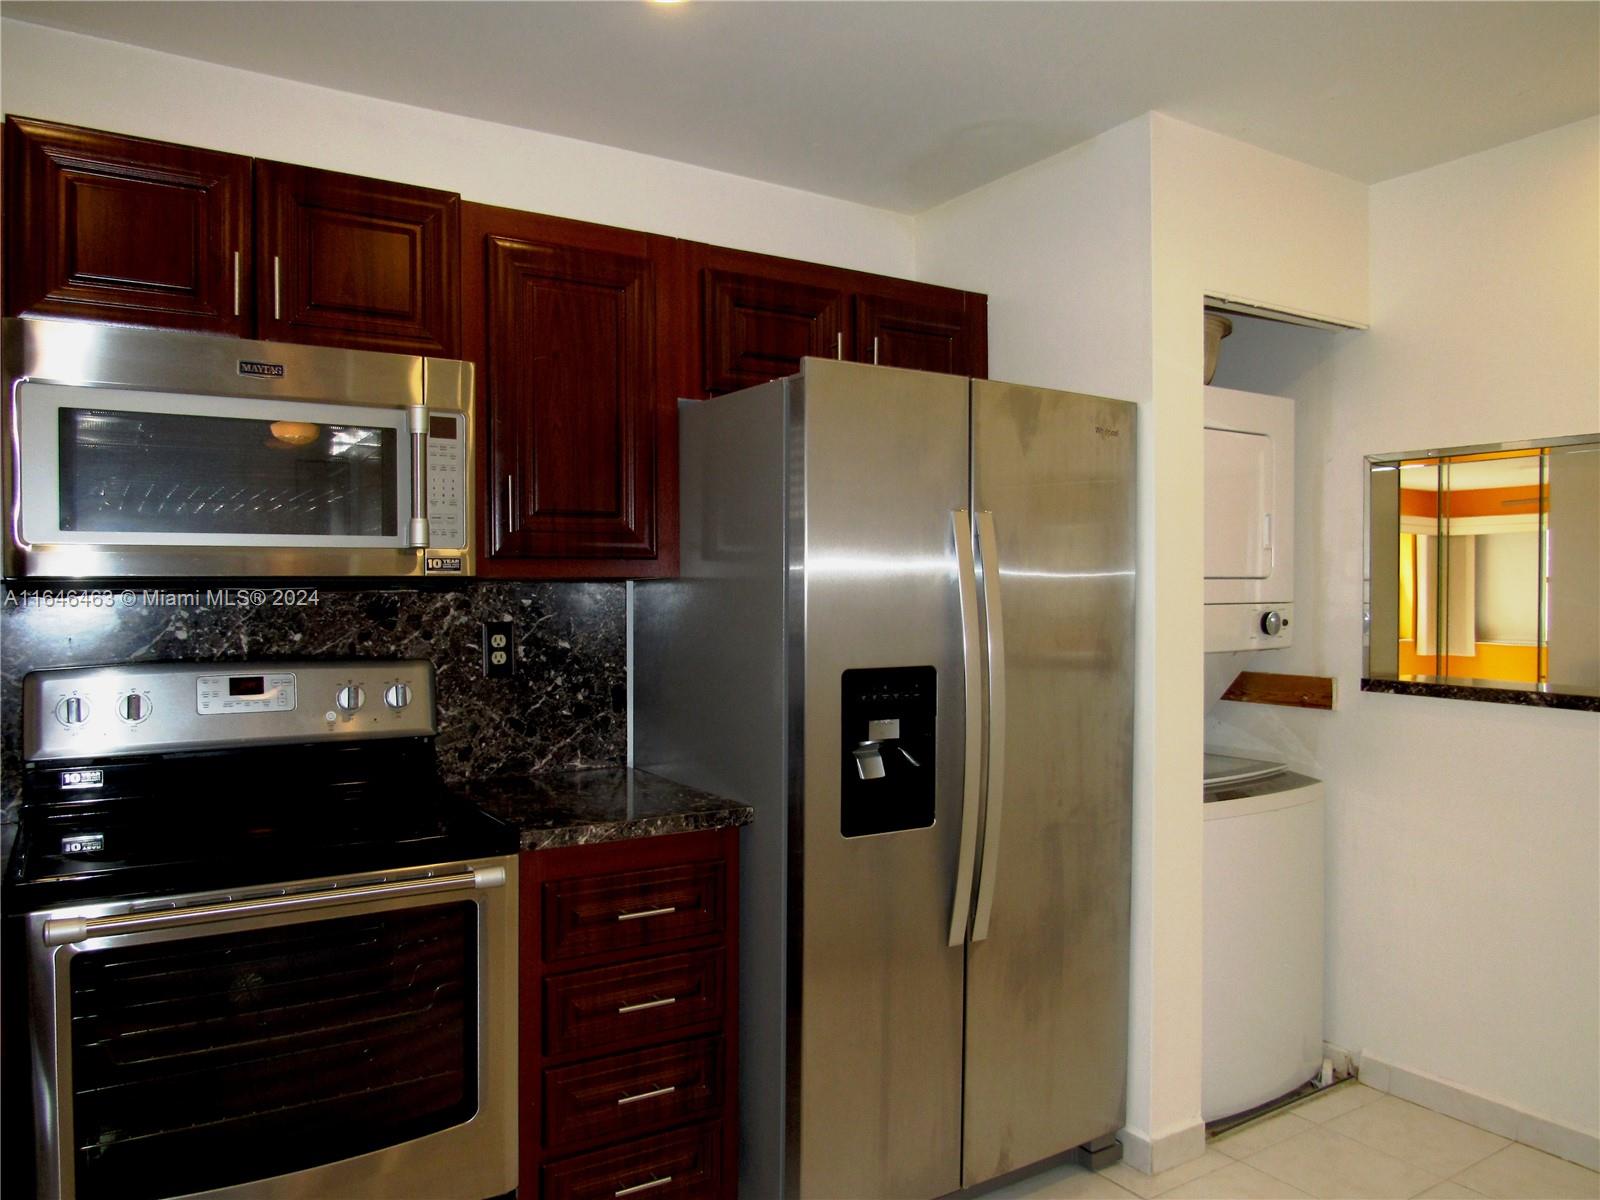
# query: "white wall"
[[1463, 882], [1226, 219], [1259, 227], [79, 80]]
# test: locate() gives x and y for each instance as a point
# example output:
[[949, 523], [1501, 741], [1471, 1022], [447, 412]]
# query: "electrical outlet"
[[499, 650]]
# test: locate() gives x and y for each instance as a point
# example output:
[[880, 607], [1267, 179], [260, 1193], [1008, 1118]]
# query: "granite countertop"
[[599, 804], [1492, 691]]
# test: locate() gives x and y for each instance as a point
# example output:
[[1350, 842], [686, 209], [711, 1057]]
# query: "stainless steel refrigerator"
[[903, 632]]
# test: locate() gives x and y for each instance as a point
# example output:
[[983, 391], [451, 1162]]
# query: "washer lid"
[[1224, 769]]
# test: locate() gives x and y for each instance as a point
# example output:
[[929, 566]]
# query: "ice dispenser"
[[886, 750]]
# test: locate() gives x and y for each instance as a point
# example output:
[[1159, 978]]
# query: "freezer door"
[[1047, 984], [876, 990]]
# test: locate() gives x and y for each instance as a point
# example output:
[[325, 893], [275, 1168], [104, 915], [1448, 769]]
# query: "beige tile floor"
[[1351, 1142]]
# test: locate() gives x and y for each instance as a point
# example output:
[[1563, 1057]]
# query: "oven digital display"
[[218, 694]]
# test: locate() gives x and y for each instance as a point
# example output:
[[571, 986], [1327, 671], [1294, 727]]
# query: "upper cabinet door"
[[348, 261], [122, 229], [569, 362], [933, 333], [758, 327]]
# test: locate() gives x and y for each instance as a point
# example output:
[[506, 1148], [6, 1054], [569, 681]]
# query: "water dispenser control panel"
[[886, 749]]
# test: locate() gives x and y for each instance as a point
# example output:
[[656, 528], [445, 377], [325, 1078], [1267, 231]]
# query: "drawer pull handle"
[[660, 1091], [644, 1187], [632, 1008], [647, 912]]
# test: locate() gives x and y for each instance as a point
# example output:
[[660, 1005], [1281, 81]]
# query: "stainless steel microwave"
[[146, 452]]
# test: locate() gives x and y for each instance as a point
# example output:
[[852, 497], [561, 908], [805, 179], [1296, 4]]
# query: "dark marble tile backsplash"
[[565, 707]]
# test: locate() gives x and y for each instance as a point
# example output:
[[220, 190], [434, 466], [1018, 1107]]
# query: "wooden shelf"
[[1295, 691]]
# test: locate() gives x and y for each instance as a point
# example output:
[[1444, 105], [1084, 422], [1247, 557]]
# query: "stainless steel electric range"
[[266, 953]]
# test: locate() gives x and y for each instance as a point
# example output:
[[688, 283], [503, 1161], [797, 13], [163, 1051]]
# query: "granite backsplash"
[[565, 707]]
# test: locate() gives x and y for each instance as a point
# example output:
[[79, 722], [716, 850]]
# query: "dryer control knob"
[[1272, 622]]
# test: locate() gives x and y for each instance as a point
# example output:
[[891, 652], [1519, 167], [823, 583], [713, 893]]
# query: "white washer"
[[1262, 1003]]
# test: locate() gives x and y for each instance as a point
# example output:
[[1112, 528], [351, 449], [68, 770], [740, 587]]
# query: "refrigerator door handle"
[[972, 674], [995, 697]]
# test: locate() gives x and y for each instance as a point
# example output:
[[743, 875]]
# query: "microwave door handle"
[[417, 425], [994, 783], [972, 674]]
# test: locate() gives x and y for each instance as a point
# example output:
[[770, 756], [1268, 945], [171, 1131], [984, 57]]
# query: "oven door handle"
[[60, 931]]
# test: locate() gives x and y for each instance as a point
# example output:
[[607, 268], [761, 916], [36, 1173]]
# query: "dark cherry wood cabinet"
[[123, 229], [758, 327], [936, 330], [579, 458], [628, 1071], [347, 261], [759, 315], [584, 336]]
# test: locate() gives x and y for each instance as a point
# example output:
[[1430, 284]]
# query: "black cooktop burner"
[[238, 817]]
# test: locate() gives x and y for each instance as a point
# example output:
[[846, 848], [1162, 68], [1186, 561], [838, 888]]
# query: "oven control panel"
[[141, 708], [240, 693]]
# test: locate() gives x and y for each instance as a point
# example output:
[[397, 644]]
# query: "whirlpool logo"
[[1107, 431]]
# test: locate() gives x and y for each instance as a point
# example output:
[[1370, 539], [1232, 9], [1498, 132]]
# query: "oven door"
[[349, 1036]]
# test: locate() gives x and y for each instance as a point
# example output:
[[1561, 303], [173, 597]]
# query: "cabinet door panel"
[[759, 328], [123, 229], [571, 379], [632, 910], [348, 261], [626, 1095], [591, 1011], [685, 1164], [923, 336]]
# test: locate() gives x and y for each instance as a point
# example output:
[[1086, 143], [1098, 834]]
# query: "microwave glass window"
[[139, 472]]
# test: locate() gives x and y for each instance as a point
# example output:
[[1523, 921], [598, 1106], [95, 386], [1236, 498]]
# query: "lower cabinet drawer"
[[607, 1006], [630, 1094], [671, 1166]]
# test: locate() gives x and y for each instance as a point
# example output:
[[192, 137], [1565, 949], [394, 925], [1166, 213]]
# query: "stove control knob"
[[397, 696], [350, 698], [72, 710], [133, 707]]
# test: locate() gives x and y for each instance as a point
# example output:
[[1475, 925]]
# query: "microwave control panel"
[[447, 480]]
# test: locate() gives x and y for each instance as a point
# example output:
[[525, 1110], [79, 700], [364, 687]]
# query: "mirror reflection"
[[1484, 565]]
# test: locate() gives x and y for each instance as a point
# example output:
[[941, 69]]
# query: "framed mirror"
[[1483, 572]]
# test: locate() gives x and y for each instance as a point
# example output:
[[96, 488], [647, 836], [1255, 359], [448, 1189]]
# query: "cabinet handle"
[[236, 283], [633, 1008], [644, 1187], [511, 505], [277, 290], [647, 912], [874, 351], [660, 1091], [838, 346]]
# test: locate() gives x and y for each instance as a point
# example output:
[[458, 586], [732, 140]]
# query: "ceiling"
[[1471, 476], [903, 105]]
